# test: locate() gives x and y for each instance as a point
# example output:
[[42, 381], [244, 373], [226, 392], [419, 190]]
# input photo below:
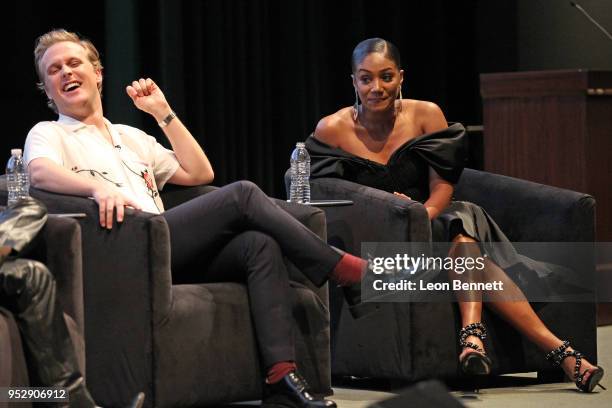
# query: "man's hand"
[[147, 97], [194, 166], [108, 200], [48, 175]]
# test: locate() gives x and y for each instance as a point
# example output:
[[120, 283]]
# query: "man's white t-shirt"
[[135, 163]]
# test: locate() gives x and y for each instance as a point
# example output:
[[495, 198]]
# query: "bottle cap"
[[300, 144], [15, 152]]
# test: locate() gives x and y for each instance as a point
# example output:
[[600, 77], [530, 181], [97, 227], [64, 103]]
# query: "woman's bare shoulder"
[[330, 129], [427, 114], [422, 107]]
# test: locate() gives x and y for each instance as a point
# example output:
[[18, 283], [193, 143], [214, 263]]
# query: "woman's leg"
[[522, 317], [518, 312], [470, 302]]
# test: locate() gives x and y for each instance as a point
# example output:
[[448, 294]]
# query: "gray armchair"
[[182, 344], [59, 247], [413, 341]]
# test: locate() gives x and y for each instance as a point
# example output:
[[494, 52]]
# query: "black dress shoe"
[[293, 391]]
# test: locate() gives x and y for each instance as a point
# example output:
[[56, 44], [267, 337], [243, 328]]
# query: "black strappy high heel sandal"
[[559, 354], [477, 362]]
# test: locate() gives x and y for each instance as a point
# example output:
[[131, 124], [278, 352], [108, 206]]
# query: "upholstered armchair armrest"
[[314, 219], [128, 254], [530, 212], [375, 216], [59, 248], [127, 290], [311, 217]]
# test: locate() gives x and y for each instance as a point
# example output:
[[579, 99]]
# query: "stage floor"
[[515, 391], [507, 391]]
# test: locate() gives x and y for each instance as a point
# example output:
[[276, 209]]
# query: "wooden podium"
[[552, 127]]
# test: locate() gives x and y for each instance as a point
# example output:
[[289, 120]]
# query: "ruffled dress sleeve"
[[445, 151]]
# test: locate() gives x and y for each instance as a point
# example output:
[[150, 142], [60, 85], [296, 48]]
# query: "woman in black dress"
[[406, 147]]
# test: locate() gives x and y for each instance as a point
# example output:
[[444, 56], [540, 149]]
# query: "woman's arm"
[[440, 190], [440, 194]]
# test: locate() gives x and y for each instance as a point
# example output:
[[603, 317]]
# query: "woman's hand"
[[401, 195], [432, 212]]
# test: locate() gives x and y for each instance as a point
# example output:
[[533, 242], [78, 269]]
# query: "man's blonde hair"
[[45, 41]]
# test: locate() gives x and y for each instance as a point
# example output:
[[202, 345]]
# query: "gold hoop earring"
[[356, 106]]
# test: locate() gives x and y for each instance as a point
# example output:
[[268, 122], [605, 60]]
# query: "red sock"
[[349, 270], [278, 370]]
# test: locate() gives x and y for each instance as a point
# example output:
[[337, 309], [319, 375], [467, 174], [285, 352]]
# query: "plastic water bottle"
[[300, 175], [17, 179]]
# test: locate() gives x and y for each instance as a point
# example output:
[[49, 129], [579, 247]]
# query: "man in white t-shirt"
[[237, 231]]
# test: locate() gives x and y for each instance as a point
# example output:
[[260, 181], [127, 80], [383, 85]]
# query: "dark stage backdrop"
[[250, 78]]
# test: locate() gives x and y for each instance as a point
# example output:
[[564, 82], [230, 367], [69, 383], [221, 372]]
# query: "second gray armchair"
[[414, 341]]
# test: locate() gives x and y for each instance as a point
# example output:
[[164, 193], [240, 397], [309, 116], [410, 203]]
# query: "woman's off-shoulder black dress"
[[407, 172]]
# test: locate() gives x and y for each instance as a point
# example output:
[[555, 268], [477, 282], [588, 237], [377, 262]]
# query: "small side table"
[[329, 203]]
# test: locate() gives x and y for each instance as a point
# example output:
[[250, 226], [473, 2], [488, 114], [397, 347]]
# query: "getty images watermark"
[[410, 265], [447, 272]]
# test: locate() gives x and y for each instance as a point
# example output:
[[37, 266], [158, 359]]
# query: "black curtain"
[[250, 78], [22, 22]]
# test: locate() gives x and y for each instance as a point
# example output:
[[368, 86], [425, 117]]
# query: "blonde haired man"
[[52, 37], [237, 231]]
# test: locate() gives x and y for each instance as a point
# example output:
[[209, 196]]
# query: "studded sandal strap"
[[473, 329], [577, 376], [559, 354], [553, 354], [558, 359], [472, 346]]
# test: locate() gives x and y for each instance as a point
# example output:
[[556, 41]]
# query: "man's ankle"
[[349, 270], [278, 370]]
